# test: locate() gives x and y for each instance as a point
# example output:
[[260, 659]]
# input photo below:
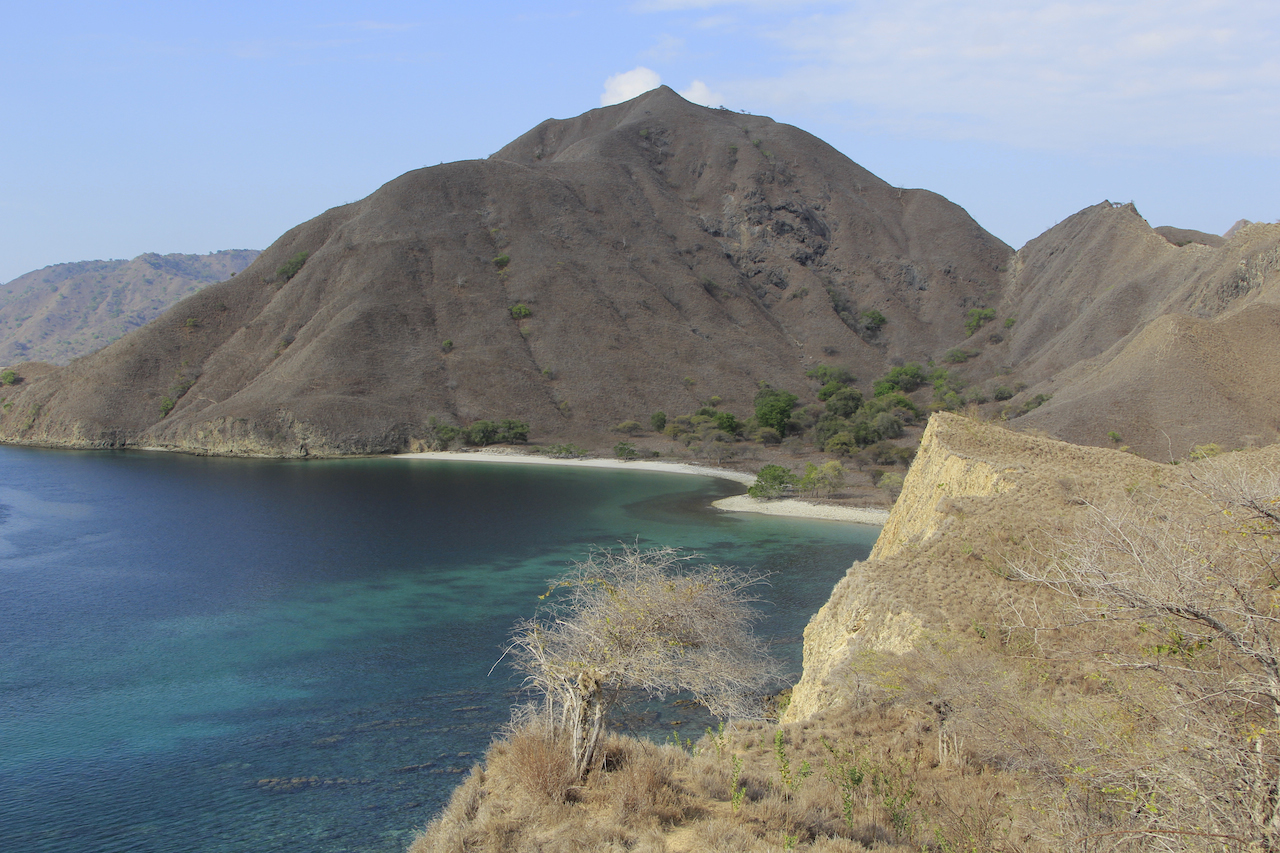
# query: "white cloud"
[[1036, 73], [700, 93], [629, 84]]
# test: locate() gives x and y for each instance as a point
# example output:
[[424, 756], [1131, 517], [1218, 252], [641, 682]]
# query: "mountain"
[[651, 255], [1168, 346], [64, 311], [664, 253]]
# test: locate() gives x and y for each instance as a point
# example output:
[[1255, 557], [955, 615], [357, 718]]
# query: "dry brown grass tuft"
[[534, 762]]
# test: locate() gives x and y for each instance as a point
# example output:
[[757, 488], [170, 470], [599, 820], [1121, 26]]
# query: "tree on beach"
[[646, 621]]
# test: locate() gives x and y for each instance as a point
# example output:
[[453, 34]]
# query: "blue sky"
[[181, 127]]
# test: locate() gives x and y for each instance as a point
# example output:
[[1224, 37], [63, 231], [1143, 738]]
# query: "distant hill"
[[64, 311], [1167, 346], [651, 255]]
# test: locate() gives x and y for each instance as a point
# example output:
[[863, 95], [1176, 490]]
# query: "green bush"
[[519, 311], [773, 408], [907, 377], [565, 451], [890, 481], [845, 402], [826, 374], [1002, 392], [977, 318], [291, 267], [501, 261], [628, 427], [772, 482], [481, 434], [658, 421], [887, 426], [10, 377], [511, 431], [768, 435], [446, 345], [1033, 403], [625, 450], [440, 435], [872, 319], [166, 406], [959, 356]]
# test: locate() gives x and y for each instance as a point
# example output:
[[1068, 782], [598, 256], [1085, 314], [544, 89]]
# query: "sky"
[[132, 127]]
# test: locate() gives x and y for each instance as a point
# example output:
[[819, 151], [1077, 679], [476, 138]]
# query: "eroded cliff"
[[976, 496]]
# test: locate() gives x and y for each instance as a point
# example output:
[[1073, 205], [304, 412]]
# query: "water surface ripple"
[[226, 655]]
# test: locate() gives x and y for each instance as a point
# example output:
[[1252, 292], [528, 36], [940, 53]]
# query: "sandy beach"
[[736, 503]]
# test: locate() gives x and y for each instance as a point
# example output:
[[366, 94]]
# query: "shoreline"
[[736, 503]]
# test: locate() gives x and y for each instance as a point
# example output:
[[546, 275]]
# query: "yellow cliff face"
[[976, 495]]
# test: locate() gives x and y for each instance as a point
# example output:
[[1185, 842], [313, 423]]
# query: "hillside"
[[664, 252], [1168, 346], [655, 255], [1051, 647], [64, 311]]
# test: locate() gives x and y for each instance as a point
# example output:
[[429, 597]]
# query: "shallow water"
[[224, 655]]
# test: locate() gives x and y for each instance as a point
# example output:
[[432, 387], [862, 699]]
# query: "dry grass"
[[662, 798], [1008, 727]]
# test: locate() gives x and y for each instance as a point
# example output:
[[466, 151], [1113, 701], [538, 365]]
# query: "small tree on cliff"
[[645, 621]]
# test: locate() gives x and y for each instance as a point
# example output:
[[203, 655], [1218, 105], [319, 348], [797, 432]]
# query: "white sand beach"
[[737, 503]]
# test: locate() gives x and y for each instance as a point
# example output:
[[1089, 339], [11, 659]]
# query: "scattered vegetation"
[[977, 318], [291, 267], [565, 451], [506, 431]]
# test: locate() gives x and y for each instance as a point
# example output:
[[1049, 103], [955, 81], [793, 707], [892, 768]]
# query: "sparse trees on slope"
[[646, 621]]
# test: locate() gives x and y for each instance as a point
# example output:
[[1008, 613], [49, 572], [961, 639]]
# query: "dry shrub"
[[532, 760], [635, 784]]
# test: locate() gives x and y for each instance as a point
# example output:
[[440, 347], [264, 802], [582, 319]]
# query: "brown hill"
[[1167, 346], [649, 255], [665, 253], [64, 311]]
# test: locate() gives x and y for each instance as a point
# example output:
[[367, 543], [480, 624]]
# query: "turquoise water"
[[227, 655]]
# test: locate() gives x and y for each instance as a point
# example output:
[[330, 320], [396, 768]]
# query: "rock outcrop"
[[976, 495]]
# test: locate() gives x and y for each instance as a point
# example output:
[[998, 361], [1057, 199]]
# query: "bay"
[[226, 654]]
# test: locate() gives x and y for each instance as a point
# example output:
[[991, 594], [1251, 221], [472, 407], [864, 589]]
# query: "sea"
[[208, 654]]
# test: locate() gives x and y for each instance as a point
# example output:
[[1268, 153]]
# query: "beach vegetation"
[[773, 481], [625, 450]]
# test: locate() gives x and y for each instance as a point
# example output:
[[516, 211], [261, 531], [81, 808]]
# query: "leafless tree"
[[1179, 582], [641, 620]]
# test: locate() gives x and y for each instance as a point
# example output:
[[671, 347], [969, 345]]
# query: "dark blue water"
[[228, 655]]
